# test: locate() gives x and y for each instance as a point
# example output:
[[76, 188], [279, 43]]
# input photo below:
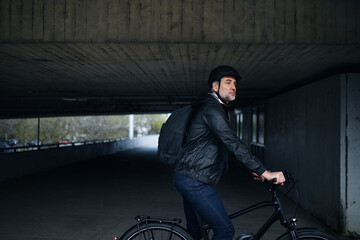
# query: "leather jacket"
[[208, 139]]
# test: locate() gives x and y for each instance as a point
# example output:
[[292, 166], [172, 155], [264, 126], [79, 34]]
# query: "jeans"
[[203, 199]]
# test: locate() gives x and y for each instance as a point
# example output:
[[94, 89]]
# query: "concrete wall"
[[305, 133], [14, 165]]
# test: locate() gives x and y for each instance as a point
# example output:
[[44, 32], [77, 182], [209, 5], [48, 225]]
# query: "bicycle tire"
[[308, 234], [156, 231]]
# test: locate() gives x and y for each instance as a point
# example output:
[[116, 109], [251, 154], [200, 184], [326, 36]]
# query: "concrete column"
[[131, 126], [350, 152], [38, 132]]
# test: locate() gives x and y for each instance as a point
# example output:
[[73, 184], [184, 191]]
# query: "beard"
[[227, 97]]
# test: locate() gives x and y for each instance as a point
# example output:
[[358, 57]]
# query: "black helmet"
[[223, 71]]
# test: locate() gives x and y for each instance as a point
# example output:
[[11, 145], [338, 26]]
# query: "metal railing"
[[24, 148]]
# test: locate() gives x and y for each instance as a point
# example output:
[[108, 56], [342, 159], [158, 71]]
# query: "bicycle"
[[150, 228]]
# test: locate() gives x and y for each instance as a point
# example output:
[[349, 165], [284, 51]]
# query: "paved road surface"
[[98, 199]]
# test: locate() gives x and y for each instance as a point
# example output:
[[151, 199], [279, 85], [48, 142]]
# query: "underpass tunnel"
[[302, 131], [296, 108]]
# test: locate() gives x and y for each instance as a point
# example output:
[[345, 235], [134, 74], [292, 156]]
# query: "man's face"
[[227, 89]]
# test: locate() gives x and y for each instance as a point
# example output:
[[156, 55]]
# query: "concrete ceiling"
[[113, 57]]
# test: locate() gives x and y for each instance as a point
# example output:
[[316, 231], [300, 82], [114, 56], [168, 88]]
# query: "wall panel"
[[303, 136]]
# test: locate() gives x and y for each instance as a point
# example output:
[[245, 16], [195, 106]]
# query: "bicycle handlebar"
[[288, 177]]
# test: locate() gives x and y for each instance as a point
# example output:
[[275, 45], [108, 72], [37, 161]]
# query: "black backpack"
[[172, 135]]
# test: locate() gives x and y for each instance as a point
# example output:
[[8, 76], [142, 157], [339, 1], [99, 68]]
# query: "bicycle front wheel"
[[309, 235], [156, 231]]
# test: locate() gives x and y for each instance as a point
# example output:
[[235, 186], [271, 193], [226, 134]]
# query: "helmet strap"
[[218, 92]]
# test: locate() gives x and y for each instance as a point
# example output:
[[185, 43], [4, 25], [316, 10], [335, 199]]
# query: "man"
[[209, 138]]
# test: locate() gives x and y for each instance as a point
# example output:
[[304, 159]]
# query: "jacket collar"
[[217, 98]]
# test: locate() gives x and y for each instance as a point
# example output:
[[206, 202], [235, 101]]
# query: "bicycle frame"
[[277, 215]]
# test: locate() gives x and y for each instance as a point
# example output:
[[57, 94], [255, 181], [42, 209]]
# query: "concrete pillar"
[[131, 126], [350, 152]]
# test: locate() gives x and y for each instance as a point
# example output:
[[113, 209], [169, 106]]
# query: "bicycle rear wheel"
[[309, 235], [156, 231]]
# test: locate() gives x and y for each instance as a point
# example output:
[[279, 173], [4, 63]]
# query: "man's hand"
[[257, 177], [279, 176]]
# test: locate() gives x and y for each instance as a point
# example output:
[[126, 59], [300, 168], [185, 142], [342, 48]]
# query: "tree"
[[86, 128], [148, 124], [25, 130]]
